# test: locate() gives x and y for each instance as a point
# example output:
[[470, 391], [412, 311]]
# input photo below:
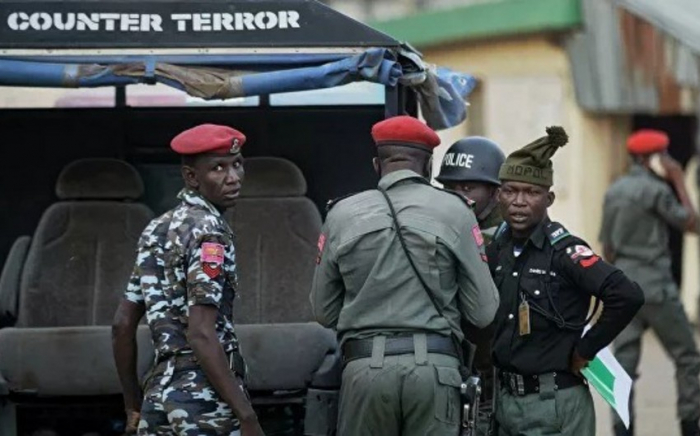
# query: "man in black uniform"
[[546, 278]]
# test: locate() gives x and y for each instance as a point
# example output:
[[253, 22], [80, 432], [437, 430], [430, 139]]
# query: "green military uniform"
[[470, 166], [638, 209], [481, 338], [546, 282], [365, 288]]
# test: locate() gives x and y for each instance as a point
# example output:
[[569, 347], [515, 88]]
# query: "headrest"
[[99, 179], [272, 177]]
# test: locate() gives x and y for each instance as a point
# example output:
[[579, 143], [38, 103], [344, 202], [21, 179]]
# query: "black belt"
[[521, 385], [395, 345]]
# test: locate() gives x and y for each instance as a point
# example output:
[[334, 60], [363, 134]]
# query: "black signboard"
[[178, 24]]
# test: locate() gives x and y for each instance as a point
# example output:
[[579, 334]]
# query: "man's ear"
[[429, 168], [377, 166], [550, 198], [190, 177], [495, 193]]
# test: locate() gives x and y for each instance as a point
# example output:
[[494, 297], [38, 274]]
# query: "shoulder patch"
[[556, 233], [478, 237], [212, 258], [582, 255], [470, 203], [320, 244]]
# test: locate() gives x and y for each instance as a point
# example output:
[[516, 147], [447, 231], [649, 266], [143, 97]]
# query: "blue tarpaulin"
[[442, 93]]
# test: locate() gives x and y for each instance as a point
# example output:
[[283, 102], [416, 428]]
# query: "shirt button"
[[515, 274], [511, 316], [537, 292]]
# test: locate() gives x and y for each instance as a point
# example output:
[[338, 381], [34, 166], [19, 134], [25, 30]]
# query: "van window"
[[356, 93], [27, 97]]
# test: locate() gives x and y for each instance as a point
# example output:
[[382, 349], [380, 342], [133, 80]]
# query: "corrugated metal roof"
[[678, 18], [638, 56]]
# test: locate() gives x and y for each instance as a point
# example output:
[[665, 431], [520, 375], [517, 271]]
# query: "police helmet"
[[472, 159]]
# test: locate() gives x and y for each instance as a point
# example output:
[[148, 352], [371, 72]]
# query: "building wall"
[[365, 10], [525, 86]]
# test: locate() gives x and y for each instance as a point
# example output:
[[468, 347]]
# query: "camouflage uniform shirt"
[[175, 269]]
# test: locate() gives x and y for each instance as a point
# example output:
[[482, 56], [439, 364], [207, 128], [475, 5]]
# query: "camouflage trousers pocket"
[[447, 401], [188, 405]]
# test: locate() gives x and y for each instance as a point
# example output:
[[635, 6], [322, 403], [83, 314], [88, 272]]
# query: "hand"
[[251, 427], [578, 363], [673, 167], [132, 421]]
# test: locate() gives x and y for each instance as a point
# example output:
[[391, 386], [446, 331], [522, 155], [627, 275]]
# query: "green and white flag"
[[611, 381]]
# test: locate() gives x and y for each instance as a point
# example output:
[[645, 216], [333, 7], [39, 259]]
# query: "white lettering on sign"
[[459, 160], [90, 22], [111, 22]]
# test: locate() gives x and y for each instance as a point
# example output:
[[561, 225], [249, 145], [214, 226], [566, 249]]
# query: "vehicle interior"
[[79, 185]]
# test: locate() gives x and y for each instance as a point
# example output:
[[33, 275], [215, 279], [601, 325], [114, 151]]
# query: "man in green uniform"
[[639, 208], [397, 294], [470, 167], [546, 278]]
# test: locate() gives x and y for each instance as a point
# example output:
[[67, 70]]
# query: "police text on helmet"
[[459, 160]]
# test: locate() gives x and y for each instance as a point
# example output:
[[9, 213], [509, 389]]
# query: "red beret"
[[647, 141], [207, 138], [404, 130]]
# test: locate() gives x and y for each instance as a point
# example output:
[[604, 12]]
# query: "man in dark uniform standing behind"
[[639, 208], [546, 278], [401, 373], [470, 166], [185, 282]]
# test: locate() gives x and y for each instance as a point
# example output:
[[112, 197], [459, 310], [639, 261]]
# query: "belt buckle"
[[521, 384], [512, 383]]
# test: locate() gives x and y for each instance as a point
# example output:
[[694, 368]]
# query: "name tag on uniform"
[[524, 318]]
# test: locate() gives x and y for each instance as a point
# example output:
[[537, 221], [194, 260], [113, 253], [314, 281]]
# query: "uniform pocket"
[[447, 394]]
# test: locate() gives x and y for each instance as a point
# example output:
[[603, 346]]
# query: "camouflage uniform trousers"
[[183, 402]]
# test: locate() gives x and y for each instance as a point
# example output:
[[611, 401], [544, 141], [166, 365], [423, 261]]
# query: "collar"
[[395, 177], [639, 170], [537, 237], [194, 198]]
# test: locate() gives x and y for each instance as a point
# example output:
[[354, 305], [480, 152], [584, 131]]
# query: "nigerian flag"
[[611, 381]]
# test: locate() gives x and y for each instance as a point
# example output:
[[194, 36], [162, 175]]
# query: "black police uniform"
[[554, 277]]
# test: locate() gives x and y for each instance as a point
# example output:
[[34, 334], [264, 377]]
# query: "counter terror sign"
[[115, 22], [169, 24]]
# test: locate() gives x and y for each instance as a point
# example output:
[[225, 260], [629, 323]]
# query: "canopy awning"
[[441, 92]]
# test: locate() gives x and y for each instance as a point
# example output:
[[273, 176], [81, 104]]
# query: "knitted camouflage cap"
[[532, 163]]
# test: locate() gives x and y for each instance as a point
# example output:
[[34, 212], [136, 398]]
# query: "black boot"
[[690, 428]]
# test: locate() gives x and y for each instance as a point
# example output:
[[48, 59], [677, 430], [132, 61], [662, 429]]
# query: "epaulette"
[[470, 203], [333, 202], [558, 236]]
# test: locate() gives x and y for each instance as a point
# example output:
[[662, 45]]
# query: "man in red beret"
[[184, 281], [398, 269], [639, 208]]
